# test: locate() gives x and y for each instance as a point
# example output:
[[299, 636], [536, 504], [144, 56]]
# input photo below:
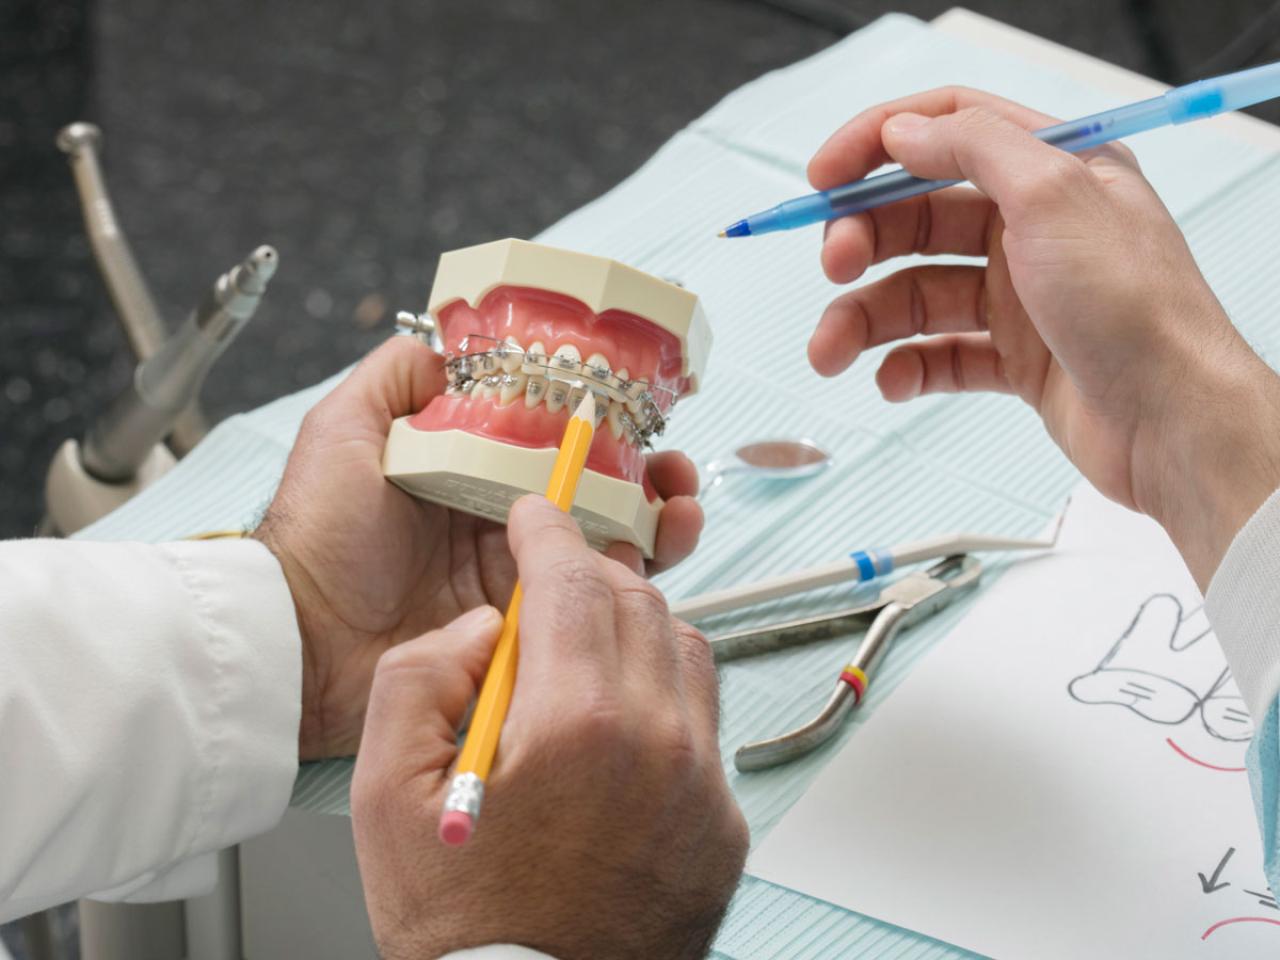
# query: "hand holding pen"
[[1089, 306], [607, 790], [1193, 101]]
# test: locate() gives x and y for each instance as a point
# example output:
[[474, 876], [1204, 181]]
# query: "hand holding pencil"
[[607, 791], [466, 792]]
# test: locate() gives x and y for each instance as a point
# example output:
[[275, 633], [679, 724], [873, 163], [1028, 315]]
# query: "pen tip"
[[721, 234]]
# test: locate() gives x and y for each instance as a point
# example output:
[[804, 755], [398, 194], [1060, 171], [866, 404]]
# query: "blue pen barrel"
[[1101, 128], [886, 188], [1179, 105], [1072, 136], [1243, 88], [899, 185]]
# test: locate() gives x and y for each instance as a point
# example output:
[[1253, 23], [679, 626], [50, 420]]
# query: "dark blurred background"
[[363, 139]]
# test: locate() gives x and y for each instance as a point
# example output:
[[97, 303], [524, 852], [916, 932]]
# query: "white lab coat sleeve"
[[1243, 604], [149, 707], [498, 951]]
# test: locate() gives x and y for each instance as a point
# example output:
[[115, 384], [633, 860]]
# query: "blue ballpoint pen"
[[1194, 101]]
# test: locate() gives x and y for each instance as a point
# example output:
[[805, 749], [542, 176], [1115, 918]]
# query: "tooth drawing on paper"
[[1168, 669], [1099, 777]]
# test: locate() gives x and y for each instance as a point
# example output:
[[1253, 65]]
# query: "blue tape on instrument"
[[872, 563], [866, 566]]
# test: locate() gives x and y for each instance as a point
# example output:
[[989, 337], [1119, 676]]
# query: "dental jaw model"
[[525, 329]]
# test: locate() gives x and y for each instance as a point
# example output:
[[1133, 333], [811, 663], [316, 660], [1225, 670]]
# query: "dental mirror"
[[769, 460]]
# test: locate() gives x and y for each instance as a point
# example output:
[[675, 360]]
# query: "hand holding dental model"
[[365, 579], [522, 326], [1089, 307], [188, 664]]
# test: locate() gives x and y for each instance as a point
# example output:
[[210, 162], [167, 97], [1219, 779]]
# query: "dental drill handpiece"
[[135, 308], [165, 383]]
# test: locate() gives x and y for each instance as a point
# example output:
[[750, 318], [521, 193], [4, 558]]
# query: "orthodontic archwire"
[[471, 367]]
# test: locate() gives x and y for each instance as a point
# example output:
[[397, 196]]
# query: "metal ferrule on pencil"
[[466, 793]]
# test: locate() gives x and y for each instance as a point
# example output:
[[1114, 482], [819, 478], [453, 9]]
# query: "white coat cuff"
[[498, 951], [244, 603], [1243, 603], [254, 702]]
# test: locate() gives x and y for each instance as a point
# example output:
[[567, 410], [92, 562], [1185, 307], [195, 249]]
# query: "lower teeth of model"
[[506, 372]]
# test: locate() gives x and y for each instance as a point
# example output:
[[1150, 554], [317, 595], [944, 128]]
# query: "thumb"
[[1003, 160], [538, 529], [420, 694], [395, 380]]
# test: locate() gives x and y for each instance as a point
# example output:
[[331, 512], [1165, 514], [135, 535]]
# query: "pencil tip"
[[587, 408]]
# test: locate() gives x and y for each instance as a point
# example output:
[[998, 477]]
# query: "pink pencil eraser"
[[455, 827]]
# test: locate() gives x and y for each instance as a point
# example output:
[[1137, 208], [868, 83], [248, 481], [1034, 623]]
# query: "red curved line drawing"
[[1183, 753], [1225, 923]]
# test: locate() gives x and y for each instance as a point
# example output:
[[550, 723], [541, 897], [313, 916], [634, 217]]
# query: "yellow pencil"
[[466, 792]]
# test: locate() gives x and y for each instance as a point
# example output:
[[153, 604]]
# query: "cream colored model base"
[[484, 477]]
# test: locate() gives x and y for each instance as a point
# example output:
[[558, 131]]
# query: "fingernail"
[[481, 618], [904, 123]]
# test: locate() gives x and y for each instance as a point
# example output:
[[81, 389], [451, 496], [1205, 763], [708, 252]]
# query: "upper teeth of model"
[[503, 371]]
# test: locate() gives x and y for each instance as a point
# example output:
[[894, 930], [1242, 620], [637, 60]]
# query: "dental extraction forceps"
[[901, 604]]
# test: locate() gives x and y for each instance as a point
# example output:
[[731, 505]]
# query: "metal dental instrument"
[[143, 326], [769, 460], [167, 382], [901, 604], [158, 416], [859, 566], [422, 326]]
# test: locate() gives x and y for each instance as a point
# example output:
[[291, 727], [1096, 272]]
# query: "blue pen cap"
[[1204, 98]]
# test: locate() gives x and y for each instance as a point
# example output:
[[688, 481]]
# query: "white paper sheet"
[[1061, 777]]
